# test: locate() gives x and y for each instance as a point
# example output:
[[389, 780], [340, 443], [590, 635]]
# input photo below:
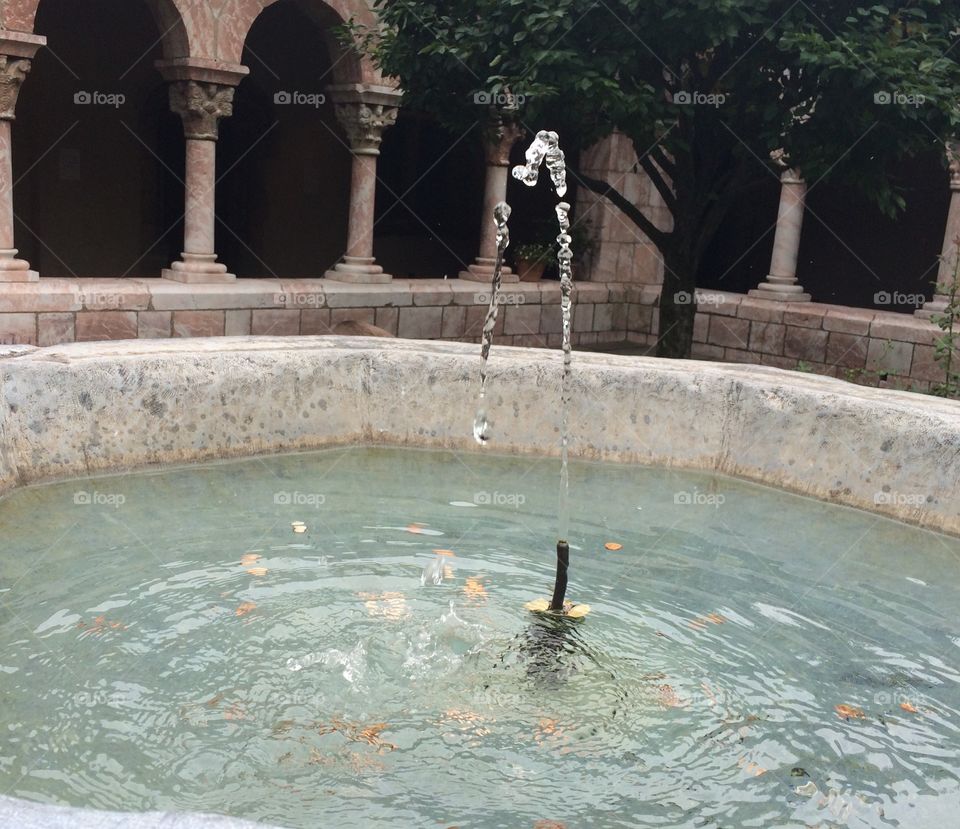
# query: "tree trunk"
[[678, 306]]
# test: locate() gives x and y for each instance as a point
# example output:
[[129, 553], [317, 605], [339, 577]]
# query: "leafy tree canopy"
[[706, 90]]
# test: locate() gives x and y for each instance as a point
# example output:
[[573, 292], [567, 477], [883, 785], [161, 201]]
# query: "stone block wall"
[[621, 252], [877, 348], [55, 311]]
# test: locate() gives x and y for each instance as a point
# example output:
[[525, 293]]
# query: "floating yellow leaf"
[[246, 608], [849, 712], [445, 553], [613, 545], [297, 524], [257, 571], [300, 528], [578, 611], [249, 558], [537, 605]]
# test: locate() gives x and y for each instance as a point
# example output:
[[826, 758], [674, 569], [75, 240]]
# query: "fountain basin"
[[80, 409]]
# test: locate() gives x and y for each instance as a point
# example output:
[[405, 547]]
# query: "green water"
[[144, 666]]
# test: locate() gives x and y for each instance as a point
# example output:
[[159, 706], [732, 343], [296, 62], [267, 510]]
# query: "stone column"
[[16, 51], [495, 191], [949, 252], [201, 95], [781, 282], [364, 112]]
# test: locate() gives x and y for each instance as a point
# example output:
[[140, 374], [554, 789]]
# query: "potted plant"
[[533, 259]]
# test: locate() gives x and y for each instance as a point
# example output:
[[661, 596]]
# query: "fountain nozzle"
[[560, 583]]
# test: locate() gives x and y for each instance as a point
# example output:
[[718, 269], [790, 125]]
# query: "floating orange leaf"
[[445, 553], [909, 708], [257, 571], [391, 604], [246, 608], [613, 545], [475, 590], [549, 824], [716, 618], [248, 559], [849, 712]]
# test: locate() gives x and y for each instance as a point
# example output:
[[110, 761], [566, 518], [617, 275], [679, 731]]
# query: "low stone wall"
[[878, 348], [874, 348], [85, 408], [55, 311]]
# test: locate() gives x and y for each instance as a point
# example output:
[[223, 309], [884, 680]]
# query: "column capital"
[[201, 106], [500, 141], [953, 161], [365, 111], [13, 71]]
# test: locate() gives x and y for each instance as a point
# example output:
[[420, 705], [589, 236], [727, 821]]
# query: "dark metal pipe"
[[560, 585]]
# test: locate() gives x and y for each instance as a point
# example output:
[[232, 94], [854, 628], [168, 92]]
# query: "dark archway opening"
[[283, 163], [850, 253], [98, 157]]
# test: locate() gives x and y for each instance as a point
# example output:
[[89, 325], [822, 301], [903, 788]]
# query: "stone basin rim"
[[62, 409]]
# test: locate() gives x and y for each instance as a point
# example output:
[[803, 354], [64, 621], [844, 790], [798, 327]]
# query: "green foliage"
[[706, 90]]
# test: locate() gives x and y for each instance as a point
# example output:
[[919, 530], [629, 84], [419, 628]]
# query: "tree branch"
[[602, 188], [664, 189]]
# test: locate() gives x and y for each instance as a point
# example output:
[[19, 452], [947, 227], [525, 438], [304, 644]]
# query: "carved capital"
[[500, 141], [13, 70], [364, 124], [201, 106], [953, 160]]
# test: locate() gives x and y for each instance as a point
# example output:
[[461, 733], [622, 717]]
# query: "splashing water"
[[481, 423], [544, 149]]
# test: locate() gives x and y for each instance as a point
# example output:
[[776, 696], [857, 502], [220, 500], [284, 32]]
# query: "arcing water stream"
[[545, 149]]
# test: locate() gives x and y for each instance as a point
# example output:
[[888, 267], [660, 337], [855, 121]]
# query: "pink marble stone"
[[53, 329], [18, 329], [277, 323], [236, 323], [106, 325], [153, 324], [198, 323]]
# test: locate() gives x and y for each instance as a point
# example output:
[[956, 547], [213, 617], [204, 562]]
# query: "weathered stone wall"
[[55, 311], [84, 408]]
